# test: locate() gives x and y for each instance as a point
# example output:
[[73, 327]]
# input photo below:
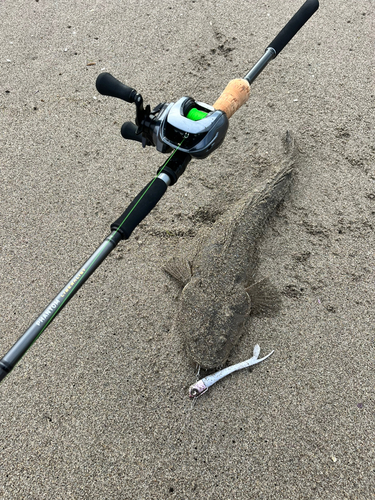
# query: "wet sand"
[[98, 407]]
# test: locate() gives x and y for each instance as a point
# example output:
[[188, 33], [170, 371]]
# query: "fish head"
[[210, 319]]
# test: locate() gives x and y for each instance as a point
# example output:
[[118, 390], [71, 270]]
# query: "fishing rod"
[[186, 129]]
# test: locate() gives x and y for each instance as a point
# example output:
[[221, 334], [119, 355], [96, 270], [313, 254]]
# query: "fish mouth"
[[212, 361], [209, 352]]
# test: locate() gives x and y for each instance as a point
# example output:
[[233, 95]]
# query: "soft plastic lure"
[[202, 385]]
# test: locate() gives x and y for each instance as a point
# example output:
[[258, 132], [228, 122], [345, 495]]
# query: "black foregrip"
[[106, 84], [294, 25], [139, 208]]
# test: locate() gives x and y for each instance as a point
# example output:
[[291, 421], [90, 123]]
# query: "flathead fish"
[[217, 274]]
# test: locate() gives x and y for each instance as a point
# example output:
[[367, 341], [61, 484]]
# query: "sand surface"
[[98, 408]]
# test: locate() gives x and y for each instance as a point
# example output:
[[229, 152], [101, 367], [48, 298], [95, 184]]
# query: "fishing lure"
[[202, 385]]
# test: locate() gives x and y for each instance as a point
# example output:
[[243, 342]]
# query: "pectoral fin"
[[264, 298], [179, 268]]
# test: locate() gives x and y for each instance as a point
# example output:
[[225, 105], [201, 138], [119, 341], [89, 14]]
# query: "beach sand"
[[98, 408]]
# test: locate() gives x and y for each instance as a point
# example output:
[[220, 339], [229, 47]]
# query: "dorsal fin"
[[180, 269]]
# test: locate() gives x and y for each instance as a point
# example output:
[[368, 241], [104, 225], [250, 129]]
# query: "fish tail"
[[274, 191]]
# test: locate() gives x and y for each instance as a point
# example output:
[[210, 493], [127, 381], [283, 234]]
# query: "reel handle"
[[106, 84]]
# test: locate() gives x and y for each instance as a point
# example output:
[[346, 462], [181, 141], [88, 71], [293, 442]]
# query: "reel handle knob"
[[106, 84], [129, 131]]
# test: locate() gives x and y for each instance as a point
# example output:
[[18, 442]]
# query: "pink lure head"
[[197, 389]]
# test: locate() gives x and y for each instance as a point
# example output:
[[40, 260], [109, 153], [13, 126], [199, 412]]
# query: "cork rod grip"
[[235, 94]]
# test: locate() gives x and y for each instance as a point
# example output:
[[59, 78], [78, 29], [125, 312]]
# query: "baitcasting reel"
[[193, 127]]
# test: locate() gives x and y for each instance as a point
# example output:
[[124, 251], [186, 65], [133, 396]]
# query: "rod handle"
[[3, 371], [139, 208], [235, 94], [294, 25], [106, 84]]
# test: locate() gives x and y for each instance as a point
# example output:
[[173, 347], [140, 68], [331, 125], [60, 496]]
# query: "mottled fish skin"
[[214, 301]]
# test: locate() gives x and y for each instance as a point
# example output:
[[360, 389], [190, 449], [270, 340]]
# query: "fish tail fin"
[[274, 191]]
